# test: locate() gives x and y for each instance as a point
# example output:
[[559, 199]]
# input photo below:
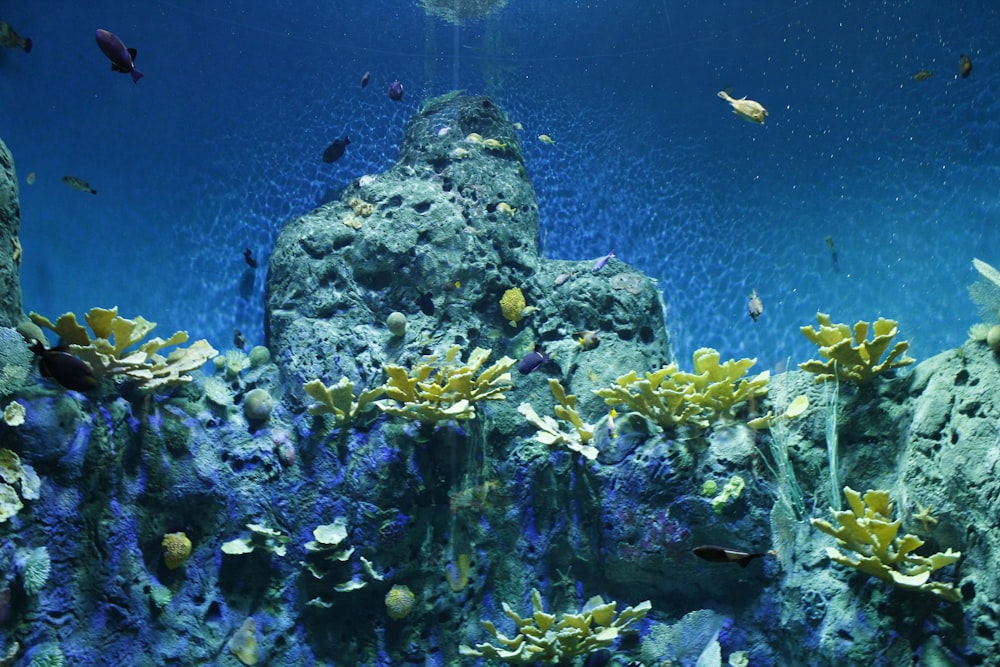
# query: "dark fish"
[[59, 365], [533, 360], [122, 58], [365, 78], [395, 91], [716, 554], [964, 67], [239, 341], [598, 658], [833, 254], [78, 184], [426, 304], [755, 307], [10, 39], [335, 151], [248, 256]]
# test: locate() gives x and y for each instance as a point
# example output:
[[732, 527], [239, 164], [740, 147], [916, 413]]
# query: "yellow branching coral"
[[512, 305], [108, 351], [670, 397], [541, 637], [550, 431], [339, 400], [848, 353], [869, 530], [433, 392]]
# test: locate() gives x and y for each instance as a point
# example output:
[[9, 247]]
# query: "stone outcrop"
[[10, 246]]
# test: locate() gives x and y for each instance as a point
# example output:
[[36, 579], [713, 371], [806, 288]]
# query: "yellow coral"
[[176, 549], [869, 530], [108, 351], [670, 396], [361, 207], [512, 305], [399, 602], [433, 391], [544, 638], [339, 400], [849, 356]]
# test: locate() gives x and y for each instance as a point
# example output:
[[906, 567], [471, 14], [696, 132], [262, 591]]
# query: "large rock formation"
[[440, 237], [10, 246]]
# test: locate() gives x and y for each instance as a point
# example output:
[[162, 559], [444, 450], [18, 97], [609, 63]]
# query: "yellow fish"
[[745, 109], [546, 139]]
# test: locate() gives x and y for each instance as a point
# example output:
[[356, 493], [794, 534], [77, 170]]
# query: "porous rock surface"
[[433, 238], [10, 247]]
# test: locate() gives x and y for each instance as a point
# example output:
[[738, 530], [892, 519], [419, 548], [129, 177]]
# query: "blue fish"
[[122, 58], [601, 262], [533, 360]]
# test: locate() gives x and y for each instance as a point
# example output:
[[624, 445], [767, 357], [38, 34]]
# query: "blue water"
[[219, 145]]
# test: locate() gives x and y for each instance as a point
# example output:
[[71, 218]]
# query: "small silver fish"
[[755, 307]]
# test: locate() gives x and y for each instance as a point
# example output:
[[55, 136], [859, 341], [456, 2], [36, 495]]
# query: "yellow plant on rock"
[[670, 397], [550, 431], [108, 350], [541, 637], [868, 530], [433, 391], [339, 400], [849, 355]]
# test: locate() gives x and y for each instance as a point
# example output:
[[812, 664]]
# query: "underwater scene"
[[638, 333]]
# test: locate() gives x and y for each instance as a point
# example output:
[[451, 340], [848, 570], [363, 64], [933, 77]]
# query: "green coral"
[[541, 637], [849, 355], [110, 350], [670, 397], [551, 432], [433, 392], [730, 492], [868, 530], [339, 400]]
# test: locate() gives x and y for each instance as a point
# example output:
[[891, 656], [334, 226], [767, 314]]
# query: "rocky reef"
[[370, 489], [10, 255]]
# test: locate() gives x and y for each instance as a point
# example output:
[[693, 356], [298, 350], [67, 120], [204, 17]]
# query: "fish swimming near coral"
[[248, 257], [533, 360], [68, 370], [239, 340], [11, 40], [716, 554], [964, 65], [78, 184], [546, 139], [335, 151], [748, 110], [601, 262], [755, 307], [122, 58]]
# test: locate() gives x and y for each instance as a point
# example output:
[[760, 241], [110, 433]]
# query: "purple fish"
[[395, 91], [601, 262], [533, 360], [122, 58]]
